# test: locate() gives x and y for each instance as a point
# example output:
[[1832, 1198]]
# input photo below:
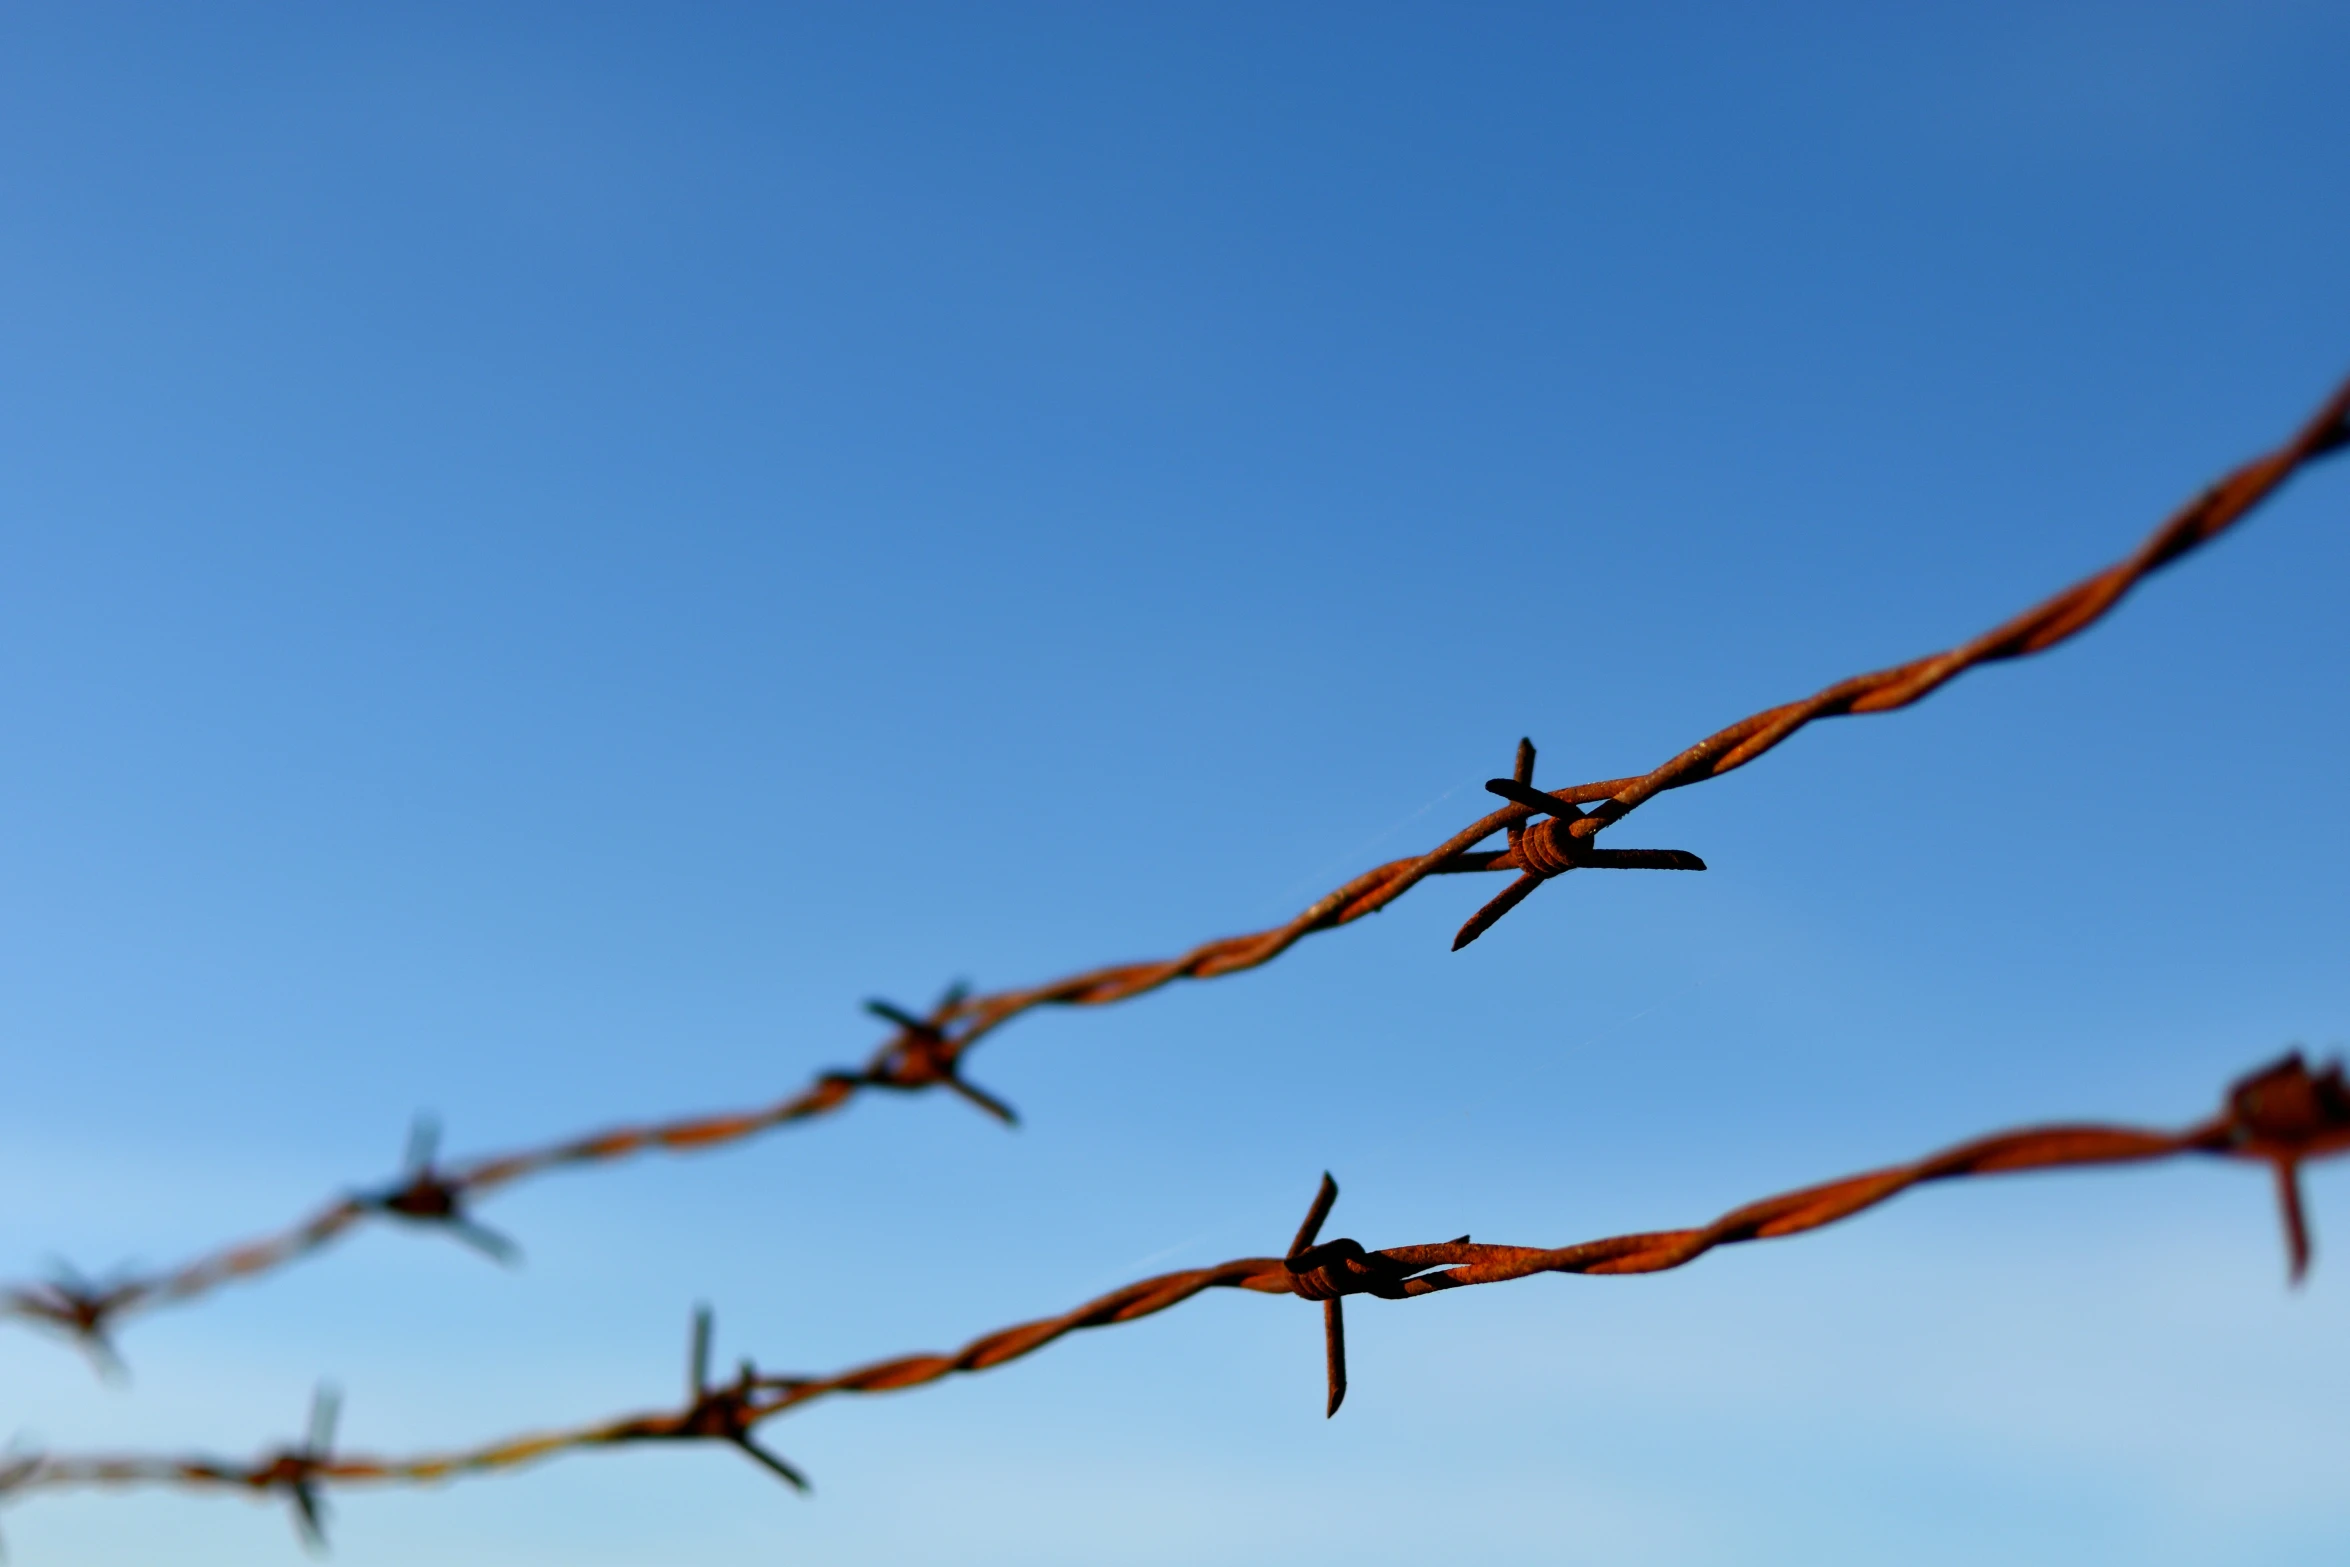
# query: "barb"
[[2282, 1115], [927, 1051]]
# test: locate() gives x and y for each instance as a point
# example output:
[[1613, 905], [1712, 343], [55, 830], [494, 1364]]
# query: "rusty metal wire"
[[432, 1194], [927, 1051], [2282, 1115]]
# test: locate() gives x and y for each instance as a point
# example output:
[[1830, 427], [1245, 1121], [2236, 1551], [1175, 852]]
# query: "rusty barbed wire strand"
[[2282, 1115], [428, 1193], [927, 1051]]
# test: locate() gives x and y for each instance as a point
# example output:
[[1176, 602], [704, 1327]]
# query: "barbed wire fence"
[[2283, 1116]]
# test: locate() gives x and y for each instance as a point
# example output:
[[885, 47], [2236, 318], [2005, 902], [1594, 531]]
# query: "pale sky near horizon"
[[548, 554]]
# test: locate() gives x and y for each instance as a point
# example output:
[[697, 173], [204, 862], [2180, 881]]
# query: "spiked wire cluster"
[[2281, 1116]]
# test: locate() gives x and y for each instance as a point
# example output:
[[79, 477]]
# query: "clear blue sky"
[[545, 556]]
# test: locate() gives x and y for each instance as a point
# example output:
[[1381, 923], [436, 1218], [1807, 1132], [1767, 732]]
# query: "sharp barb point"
[[1334, 1352], [1324, 1196], [898, 1015], [698, 1357], [485, 1240], [759, 1455], [424, 1142], [326, 1405], [1504, 901], [309, 1526], [1526, 794], [2297, 1246], [984, 1100]]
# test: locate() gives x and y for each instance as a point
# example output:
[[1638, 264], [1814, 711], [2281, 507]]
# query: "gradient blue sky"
[[546, 555]]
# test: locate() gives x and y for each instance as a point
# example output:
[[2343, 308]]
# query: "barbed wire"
[[2282, 1115], [927, 1050]]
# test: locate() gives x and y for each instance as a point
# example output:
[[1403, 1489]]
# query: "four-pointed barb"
[[429, 1195], [82, 1307], [294, 1470], [1552, 848], [925, 1055], [1334, 1269], [725, 1413], [2285, 1113]]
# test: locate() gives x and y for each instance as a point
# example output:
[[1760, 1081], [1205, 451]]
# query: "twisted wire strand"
[[2283, 1115], [927, 1052]]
